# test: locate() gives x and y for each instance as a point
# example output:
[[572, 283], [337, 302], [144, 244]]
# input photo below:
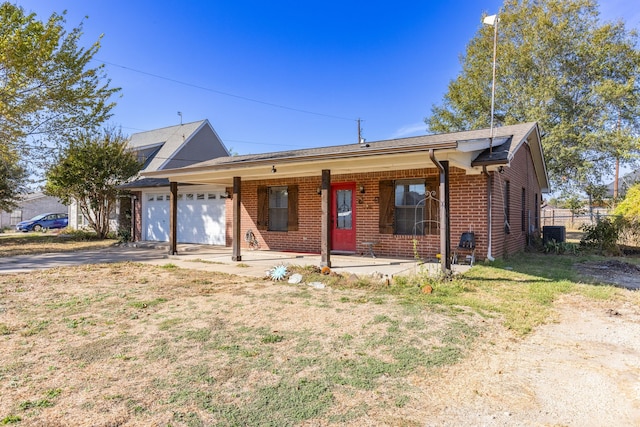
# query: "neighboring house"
[[201, 208], [31, 205], [624, 183], [390, 194]]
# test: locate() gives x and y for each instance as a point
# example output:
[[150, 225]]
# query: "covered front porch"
[[340, 199], [255, 263]]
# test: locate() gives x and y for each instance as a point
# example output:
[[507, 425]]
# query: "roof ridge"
[[169, 127]]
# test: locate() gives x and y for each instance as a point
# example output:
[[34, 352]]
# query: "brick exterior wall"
[[468, 201], [520, 176]]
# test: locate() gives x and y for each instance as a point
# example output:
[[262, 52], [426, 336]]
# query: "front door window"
[[344, 210]]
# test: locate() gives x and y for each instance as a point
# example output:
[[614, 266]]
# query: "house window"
[[410, 207], [277, 208], [200, 197], [523, 211], [150, 197], [278, 213], [189, 196], [536, 212], [160, 197], [211, 196], [82, 220], [507, 199], [16, 217]]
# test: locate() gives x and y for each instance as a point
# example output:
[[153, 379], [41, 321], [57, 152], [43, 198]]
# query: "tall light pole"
[[493, 20]]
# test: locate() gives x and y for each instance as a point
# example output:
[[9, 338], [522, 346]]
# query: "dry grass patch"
[[142, 345], [40, 243]]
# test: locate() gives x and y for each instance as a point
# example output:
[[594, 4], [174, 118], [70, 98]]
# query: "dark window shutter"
[[386, 206], [292, 207], [263, 208]]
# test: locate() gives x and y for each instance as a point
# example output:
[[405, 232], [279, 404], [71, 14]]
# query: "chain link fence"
[[571, 221]]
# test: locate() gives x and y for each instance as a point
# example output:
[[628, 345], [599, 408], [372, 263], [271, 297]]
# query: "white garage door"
[[201, 217]]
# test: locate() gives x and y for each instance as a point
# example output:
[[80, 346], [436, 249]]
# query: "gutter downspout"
[[444, 229], [489, 216]]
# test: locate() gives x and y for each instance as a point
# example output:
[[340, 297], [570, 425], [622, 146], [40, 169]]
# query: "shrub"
[[124, 235], [560, 248], [603, 235], [630, 232], [79, 234]]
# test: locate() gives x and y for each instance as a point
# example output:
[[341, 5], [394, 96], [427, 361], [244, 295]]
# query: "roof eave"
[[363, 152]]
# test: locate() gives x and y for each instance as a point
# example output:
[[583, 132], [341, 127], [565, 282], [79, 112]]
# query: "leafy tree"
[[48, 91], [11, 176], [559, 66], [89, 171]]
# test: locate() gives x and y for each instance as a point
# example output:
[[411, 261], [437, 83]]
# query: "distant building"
[[30, 206], [624, 183]]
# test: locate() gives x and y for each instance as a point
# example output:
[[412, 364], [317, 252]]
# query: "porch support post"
[[173, 218], [236, 256], [445, 243], [447, 207], [325, 220]]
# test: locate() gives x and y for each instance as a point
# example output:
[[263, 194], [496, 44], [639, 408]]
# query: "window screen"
[[410, 207], [278, 209]]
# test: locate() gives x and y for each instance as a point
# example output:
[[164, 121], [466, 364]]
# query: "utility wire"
[[244, 98]]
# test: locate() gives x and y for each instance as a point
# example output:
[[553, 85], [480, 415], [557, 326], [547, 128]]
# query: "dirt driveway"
[[583, 370]]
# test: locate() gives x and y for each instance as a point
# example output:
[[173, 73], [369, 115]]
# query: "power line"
[[244, 98]]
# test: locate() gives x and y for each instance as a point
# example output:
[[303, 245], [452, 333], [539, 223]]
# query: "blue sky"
[[384, 62]]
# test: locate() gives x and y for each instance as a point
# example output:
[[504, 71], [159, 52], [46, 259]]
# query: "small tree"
[[89, 171]]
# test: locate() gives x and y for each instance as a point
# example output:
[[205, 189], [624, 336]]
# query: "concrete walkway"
[[218, 258]]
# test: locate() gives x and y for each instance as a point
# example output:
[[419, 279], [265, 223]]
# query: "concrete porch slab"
[[257, 263]]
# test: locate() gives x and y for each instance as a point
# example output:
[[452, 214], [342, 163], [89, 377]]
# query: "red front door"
[[343, 217]]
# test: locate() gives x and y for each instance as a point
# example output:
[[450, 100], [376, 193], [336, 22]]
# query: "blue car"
[[44, 221]]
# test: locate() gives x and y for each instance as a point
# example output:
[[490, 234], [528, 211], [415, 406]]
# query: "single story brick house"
[[406, 197]]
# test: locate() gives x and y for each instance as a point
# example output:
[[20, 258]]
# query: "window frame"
[[15, 217], [277, 215], [507, 208], [262, 217], [523, 211]]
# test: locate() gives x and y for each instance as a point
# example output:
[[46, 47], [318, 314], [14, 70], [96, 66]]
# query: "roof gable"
[[164, 145]]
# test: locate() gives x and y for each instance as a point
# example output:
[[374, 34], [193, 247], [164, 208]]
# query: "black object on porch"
[[466, 246]]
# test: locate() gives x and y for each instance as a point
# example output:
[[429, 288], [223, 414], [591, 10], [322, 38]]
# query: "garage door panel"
[[156, 222], [199, 219], [201, 222]]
